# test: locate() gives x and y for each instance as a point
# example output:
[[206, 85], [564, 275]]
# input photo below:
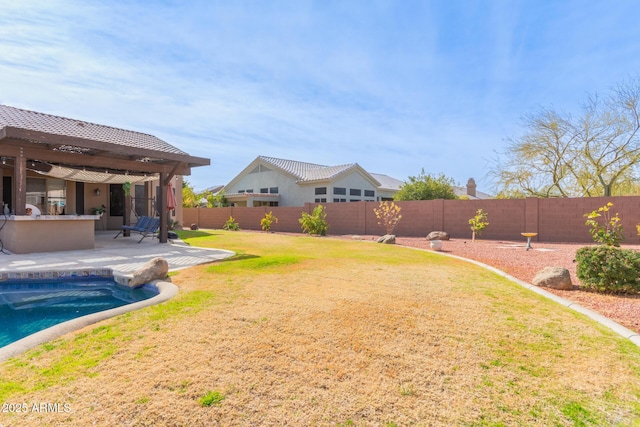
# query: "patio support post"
[[20, 184], [162, 202], [1, 186]]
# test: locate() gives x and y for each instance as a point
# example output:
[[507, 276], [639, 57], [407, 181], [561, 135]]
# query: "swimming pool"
[[30, 306]]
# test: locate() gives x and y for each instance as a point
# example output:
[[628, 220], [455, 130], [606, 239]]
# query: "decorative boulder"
[[554, 278], [389, 239], [194, 226], [438, 235], [154, 269]]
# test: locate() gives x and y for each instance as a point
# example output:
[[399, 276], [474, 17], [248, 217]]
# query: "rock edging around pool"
[[166, 291]]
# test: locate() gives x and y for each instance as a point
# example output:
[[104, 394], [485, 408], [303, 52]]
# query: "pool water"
[[27, 307]]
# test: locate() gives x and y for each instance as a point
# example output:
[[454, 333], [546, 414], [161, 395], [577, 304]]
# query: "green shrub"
[[609, 269], [268, 219], [610, 232], [478, 223], [316, 223], [211, 398], [231, 224]]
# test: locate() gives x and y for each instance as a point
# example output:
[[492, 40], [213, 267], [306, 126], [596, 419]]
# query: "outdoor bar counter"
[[47, 233]]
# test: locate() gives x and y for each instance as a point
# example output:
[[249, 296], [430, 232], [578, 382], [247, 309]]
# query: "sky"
[[395, 86]]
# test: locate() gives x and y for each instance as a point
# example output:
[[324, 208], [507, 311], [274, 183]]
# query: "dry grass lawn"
[[303, 331]]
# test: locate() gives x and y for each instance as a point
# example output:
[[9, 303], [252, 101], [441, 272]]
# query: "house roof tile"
[[307, 172], [387, 182], [56, 125]]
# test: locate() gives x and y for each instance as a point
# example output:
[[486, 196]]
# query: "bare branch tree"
[[593, 154]]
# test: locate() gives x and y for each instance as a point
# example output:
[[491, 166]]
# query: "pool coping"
[[57, 274], [166, 291]]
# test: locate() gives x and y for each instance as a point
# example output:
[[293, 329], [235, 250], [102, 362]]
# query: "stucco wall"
[[23, 235]]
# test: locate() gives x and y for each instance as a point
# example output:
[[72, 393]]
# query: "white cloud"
[[394, 86]]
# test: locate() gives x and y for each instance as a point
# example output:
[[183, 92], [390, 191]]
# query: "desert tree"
[[595, 153], [388, 215]]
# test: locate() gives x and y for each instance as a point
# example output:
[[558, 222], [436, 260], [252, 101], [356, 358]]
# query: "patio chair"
[[144, 226]]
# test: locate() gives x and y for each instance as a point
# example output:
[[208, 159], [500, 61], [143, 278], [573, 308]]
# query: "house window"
[[369, 193], [262, 204], [341, 191], [240, 191], [355, 192], [36, 193], [116, 200], [323, 200], [273, 190], [354, 200], [339, 200], [321, 190], [140, 202], [250, 191], [48, 195], [264, 190]]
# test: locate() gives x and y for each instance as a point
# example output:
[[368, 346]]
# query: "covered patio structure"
[[63, 167]]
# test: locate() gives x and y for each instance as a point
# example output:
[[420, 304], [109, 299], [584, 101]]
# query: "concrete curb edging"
[[167, 290], [632, 336]]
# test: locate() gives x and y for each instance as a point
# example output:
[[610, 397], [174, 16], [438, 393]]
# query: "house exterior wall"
[[352, 181], [384, 194], [92, 201], [293, 193], [555, 220], [290, 192]]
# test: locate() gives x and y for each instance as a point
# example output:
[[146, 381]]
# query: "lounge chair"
[[144, 226]]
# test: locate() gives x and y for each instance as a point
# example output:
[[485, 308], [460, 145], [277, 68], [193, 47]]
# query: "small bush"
[[316, 223], [268, 219], [609, 233], [609, 269], [388, 215], [478, 223], [212, 398], [231, 224]]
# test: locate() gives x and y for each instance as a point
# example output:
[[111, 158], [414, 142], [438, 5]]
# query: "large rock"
[[154, 269], [389, 239], [438, 235], [554, 278]]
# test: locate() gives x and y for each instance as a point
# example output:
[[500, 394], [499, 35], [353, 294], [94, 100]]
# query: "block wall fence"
[[555, 220]]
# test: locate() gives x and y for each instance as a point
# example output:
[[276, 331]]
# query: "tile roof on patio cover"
[[47, 123]]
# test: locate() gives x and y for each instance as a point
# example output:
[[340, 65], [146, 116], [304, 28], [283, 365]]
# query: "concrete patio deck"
[[122, 255]]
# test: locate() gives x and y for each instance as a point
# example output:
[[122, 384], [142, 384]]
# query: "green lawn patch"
[[322, 331]]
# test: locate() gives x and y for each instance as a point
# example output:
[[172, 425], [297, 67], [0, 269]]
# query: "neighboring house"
[[70, 168], [269, 181], [470, 192]]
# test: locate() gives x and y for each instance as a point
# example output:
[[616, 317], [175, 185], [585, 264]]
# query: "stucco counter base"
[[48, 233]]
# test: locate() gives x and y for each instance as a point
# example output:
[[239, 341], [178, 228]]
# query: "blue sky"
[[395, 86]]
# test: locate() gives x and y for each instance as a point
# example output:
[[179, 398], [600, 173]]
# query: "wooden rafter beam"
[[58, 140], [12, 149]]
